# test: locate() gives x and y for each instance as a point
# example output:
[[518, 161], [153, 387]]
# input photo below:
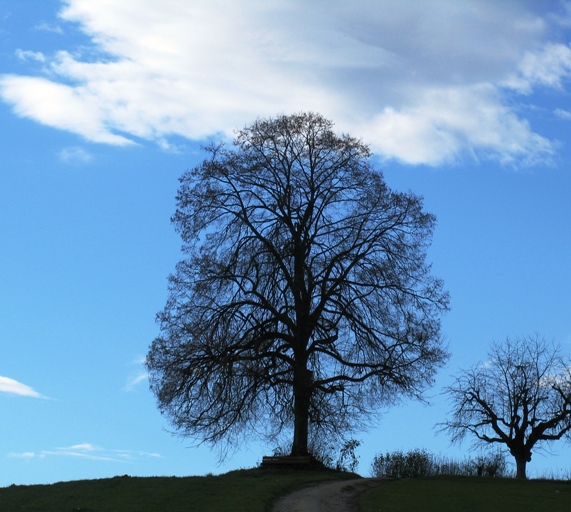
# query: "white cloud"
[[548, 66], [75, 109], [561, 379], [46, 27], [87, 447], [25, 455], [562, 114], [135, 380], [82, 451], [30, 55], [421, 81], [8, 385], [88, 451], [446, 121], [75, 155]]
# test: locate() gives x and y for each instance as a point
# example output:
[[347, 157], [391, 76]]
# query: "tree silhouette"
[[519, 398], [304, 300]]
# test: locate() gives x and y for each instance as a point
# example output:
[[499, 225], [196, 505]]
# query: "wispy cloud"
[[28, 55], [24, 455], [88, 451], [562, 379], [562, 114], [547, 66], [135, 380], [423, 82], [8, 385], [47, 27], [75, 155], [139, 377]]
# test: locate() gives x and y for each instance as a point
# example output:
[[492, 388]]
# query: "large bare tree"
[[520, 397], [304, 301]]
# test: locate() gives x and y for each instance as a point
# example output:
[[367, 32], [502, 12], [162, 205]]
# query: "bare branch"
[[304, 300], [520, 397]]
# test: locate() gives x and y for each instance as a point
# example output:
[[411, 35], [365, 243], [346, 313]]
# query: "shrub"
[[414, 464], [419, 463], [491, 465]]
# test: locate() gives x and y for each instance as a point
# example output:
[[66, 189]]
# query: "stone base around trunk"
[[288, 461]]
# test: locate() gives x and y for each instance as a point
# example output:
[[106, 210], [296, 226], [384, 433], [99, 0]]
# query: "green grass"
[[255, 490], [468, 494], [251, 490]]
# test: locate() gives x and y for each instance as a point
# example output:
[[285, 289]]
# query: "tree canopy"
[[304, 301], [520, 397]]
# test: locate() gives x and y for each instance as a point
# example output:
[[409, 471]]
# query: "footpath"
[[328, 497]]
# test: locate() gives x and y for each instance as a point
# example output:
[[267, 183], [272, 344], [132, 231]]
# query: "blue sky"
[[104, 104]]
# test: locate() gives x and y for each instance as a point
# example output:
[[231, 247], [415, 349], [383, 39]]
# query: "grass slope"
[[255, 490], [468, 494], [251, 490]]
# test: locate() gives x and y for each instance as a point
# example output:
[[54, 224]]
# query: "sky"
[[104, 104]]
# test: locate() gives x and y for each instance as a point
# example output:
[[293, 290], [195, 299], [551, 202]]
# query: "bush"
[[414, 464], [419, 463], [491, 465], [442, 465]]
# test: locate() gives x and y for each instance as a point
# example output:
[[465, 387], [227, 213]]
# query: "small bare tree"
[[304, 300], [520, 397]]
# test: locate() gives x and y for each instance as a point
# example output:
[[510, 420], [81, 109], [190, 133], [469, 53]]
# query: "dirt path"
[[328, 497]]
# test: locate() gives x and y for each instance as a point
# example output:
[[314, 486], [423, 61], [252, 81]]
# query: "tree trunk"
[[521, 463], [302, 398]]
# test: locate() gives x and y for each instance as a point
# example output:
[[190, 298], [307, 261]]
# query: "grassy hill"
[[256, 489], [468, 494], [238, 491]]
